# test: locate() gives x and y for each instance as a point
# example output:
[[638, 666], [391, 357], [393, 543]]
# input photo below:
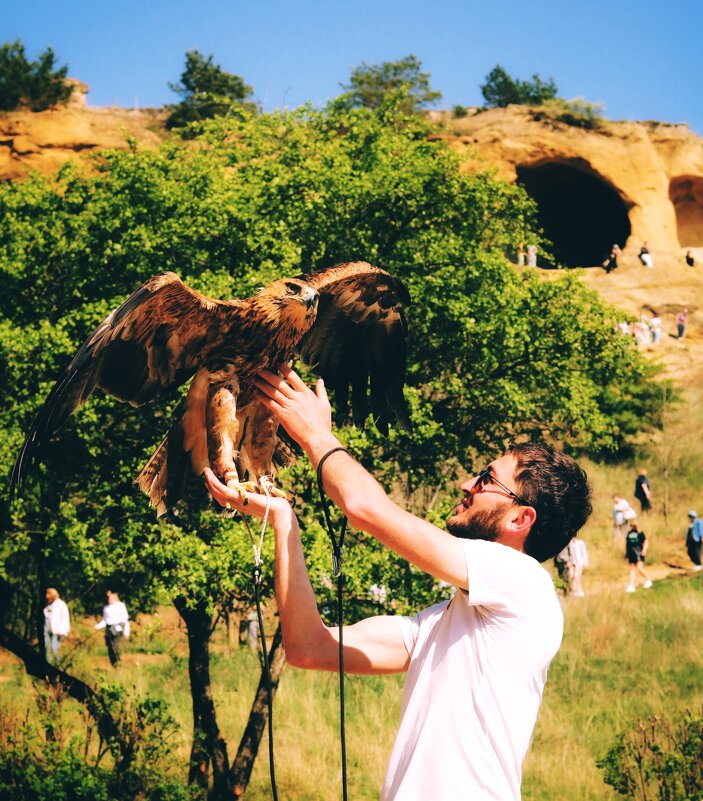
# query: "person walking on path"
[[476, 664], [694, 539], [579, 559], [623, 513], [681, 319], [635, 552], [57, 624], [643, 492], [116, 624]]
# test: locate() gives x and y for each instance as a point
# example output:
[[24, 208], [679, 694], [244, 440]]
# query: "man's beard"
[[482, 525]]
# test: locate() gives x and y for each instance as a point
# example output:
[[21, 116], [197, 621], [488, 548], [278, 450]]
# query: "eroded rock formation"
[[628, 184]]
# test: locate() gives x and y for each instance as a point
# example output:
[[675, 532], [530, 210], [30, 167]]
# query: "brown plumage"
[[347, 322]]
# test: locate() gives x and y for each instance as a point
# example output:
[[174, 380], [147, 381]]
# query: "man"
[[694, 539], [476, 664], [643, 491], [116, 624], [57, 624]]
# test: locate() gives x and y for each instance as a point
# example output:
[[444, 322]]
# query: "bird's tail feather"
[[165, 476]]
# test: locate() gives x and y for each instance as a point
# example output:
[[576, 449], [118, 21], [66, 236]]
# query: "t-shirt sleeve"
[[504, 579], [410, 626]]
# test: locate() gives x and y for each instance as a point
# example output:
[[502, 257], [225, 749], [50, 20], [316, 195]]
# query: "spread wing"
[[154, 340], [359, 339]]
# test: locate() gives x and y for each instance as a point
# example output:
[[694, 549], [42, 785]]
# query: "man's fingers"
[[321, 390], [291, 376]]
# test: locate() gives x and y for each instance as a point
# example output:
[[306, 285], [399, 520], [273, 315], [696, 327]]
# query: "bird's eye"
[[292, 289]]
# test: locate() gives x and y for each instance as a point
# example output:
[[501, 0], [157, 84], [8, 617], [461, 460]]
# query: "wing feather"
[[155, 339], [358, 340]]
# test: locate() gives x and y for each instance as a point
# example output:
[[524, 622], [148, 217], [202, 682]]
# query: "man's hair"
[[559, 491]]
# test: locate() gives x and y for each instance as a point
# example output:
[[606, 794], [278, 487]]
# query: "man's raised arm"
[[307, 417]]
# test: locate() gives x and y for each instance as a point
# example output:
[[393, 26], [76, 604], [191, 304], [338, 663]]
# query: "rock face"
[[628, 184], [45, 140]]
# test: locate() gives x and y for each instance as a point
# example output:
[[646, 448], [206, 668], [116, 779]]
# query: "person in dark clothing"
[[643, 491], [689, 259], [635, 551], [694, 539]]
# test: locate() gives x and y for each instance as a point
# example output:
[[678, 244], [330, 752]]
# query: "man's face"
[[51, 596], [484, 508]]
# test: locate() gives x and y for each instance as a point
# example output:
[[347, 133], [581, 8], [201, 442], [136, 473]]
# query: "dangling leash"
[[256, 575], [337, 556]]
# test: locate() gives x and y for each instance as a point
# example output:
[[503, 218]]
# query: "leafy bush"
[[371, 85], [46, 765], [35, 85], [459, 112], [207, 90], [501, 89], [577, 112], [659, 759]]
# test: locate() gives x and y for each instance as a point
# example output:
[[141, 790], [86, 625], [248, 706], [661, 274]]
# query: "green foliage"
[[459, 112], [578, 113], [261, 197], [207, 90], [370, 85], [658, 759], [49, 763], [501, 89], [36, 85], [494, 353]]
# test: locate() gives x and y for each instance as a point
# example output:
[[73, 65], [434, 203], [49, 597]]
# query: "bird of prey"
[[347, 321]]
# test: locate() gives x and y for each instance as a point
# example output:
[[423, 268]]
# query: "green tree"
[[494, 354], [207, 91], [371, 84], [36, 85], [501, 89]]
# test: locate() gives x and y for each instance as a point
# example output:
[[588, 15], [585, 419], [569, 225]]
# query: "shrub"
[[35, 85], [459, 112], [577, 112], [501, 89], [659, 759]]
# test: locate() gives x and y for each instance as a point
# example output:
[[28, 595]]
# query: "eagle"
[[347, 322]]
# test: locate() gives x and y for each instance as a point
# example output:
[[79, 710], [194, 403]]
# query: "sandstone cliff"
[[628, 183]]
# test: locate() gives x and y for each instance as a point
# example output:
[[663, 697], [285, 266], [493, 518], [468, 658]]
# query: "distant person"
[[623, 513], [531, 255], [635, 552], [689, 259], [645, 256], [579, 559], [611, 260], [116, 624], [57, 624], [565, 569], [694, 539], [643, 492], [655, 325], [681, 320], [521, 255]]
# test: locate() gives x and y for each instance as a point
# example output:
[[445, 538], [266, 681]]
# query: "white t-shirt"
[[115, 614], [57, 619], [478, 664]]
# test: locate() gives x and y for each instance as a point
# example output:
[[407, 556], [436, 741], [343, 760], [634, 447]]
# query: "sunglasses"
[[486, 477]]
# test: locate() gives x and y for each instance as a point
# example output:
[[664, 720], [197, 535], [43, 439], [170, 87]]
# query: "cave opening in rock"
[[580, 213], [686, 193]]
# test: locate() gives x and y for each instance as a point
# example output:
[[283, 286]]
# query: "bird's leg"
[[223, 433], [258, 445]]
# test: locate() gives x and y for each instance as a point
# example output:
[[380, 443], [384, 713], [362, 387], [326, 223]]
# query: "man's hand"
[[306, 415], [253, 503]]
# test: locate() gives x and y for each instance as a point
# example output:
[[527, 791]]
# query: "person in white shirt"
[[57, 624], [623, 514], [116, 624], [477, 664], [578, 553]]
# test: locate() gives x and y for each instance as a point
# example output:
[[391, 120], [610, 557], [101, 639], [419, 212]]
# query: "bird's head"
[[289, 300]]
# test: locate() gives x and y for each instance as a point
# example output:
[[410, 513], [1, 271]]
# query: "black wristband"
[[324, 459]]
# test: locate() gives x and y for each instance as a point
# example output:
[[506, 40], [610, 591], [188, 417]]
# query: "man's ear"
[[522, 521]]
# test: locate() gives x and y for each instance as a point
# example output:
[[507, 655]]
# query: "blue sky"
[[642, 58]]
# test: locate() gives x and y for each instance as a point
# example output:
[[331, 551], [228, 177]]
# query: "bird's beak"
[[310, 298]]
